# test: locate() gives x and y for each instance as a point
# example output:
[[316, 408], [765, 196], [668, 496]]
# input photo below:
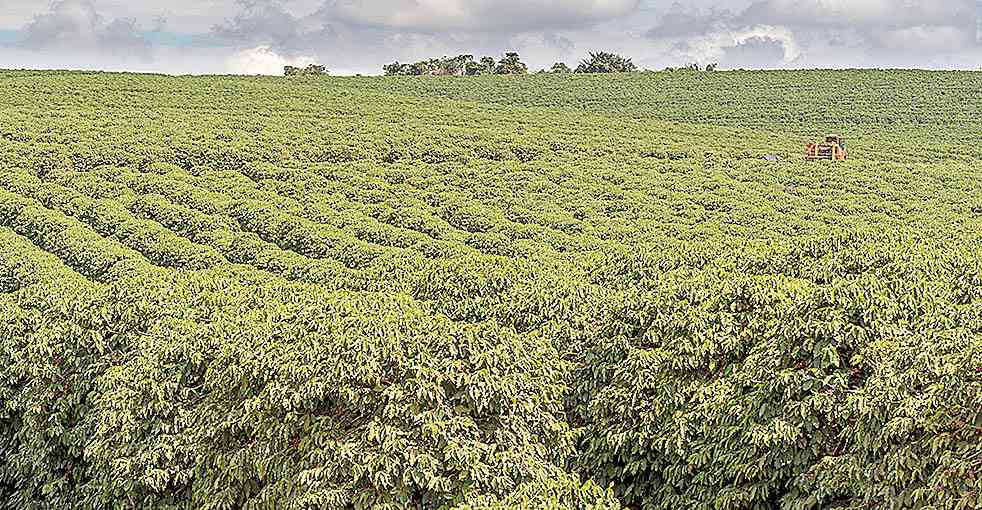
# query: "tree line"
[[310, 70], [510, 63], [461, 65]]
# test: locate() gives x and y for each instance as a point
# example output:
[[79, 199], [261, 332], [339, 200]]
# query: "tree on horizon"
[[560, 68], [605, 62], [511, 64], [310, 70]]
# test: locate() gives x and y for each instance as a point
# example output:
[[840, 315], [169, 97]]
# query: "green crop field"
[[549, 291]]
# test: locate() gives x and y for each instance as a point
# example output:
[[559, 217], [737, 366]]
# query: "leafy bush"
[[727, 391], [604, 62], [290, 398], [553, 292]]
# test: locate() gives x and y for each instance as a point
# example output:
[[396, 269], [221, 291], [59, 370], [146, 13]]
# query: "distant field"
[[539, 291], [881, 109]]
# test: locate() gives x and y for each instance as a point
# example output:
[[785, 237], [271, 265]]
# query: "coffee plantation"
[[549, 291]]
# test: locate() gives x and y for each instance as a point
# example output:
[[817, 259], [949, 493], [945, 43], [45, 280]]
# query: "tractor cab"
[[832, 149]]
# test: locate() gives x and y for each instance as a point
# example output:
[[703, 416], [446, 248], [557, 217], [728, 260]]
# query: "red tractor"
[[832, 149]]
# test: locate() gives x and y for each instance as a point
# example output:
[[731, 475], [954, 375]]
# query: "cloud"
[[263, 60], [477, 15], [712, 46], [68, 22], [864, 13], [925, 39], [361, 35], [754, 53], [76, 25], [270, 37], [682, 22], [259, 20], [825, 32]]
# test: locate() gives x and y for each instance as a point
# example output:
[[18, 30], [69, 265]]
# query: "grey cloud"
[[863, 13], [559, 42], [925, 26], [264, 21], [926, 39], [867, 30], [680, 21], [477, 15], [76, 25], [352, 35], [123, 34], [69, 21], [361, 35]]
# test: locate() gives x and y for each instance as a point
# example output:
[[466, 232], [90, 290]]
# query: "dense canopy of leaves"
[[310, 70], [560, 68], [511, 63], [604, 62], [458, 66], [537, 292]]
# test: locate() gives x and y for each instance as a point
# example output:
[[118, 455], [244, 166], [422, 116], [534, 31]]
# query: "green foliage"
[[444, 66], [604, 62], [560, 68], [555, 292], [291, 397], [310, 70], [756, 391], [561, 492], [484, 66], [694, 67], [511, 63], [459, 65]]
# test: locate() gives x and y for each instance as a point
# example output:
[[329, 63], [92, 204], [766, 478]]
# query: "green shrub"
[[722, 391], [287, 398]]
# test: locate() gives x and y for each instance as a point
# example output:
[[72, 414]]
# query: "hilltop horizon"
[[379, 74]]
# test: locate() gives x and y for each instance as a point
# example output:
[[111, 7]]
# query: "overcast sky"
[[358, 36]]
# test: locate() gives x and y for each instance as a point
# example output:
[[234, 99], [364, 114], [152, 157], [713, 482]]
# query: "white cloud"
[[712, 46], [477, 15], [263, 60]]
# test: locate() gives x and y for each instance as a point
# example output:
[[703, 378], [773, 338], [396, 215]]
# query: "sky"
[[359, 36]]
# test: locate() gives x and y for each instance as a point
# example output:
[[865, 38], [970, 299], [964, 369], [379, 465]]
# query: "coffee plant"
[[559, 291]]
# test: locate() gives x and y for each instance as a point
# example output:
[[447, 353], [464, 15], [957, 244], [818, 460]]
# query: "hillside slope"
[[383, 293]]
